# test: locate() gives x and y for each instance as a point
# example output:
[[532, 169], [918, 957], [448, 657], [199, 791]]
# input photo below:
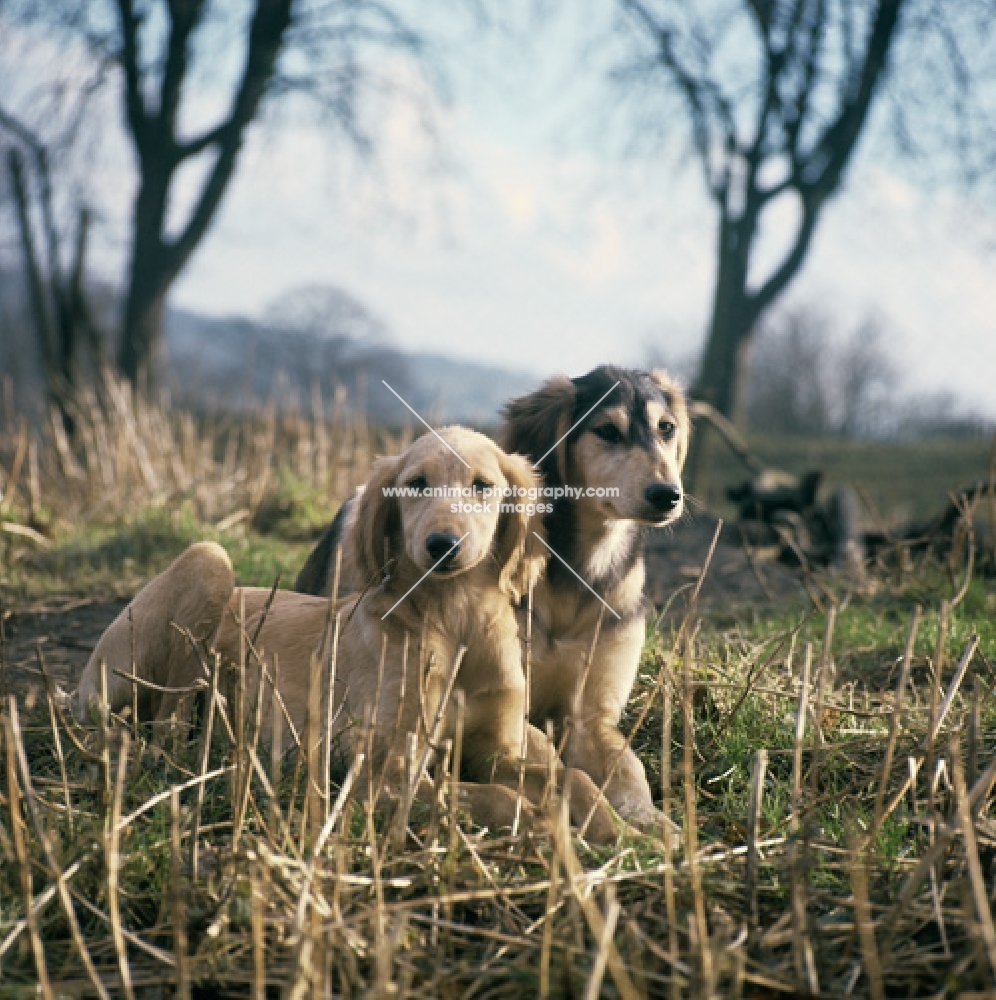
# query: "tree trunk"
[[149, 279], [142, 336], [723, 371], [47, 302], [40, 305]]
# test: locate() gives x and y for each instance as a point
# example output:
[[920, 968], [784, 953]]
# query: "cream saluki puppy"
[[443, 547]]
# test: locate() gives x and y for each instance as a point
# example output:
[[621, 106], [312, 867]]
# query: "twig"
[[47, 677], [691, 824], [800, 732], [546, 942], [866, 930], [753, 826], [38, 903], [802, 948], [177, 905], [16, 744], [895, 717], [594, 988], [23, 531], [134, 680], [24, 864], [195, 828], [943, 616], [132, 938], [256, 903], [980, 893], [152, 802], [134, 674], [61, 757], [670, 903], [959, 676], [112, 857], [617, 969]]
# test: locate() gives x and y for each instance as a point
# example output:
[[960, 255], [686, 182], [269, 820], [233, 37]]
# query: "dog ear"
[[374, 537], [675, 396], [521, 556], [537, 423]]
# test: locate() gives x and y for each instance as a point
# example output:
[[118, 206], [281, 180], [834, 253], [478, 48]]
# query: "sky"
[[518, 237]]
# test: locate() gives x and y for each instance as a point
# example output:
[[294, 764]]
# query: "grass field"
[[832, 771], [898, 481]]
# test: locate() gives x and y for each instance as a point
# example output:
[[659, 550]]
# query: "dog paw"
[[649, 820]]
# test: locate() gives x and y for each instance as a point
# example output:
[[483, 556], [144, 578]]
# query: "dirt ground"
[[739, 576], [67, 629]]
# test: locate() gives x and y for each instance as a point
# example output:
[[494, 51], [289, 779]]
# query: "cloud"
[[553, 261], [497, 245]]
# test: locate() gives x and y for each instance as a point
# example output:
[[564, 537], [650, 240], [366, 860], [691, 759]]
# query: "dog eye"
[[481, 485], [667, 429], [609, 433], [418, 483]]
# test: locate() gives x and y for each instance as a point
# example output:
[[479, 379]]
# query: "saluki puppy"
[[444, 547], [612, 443]]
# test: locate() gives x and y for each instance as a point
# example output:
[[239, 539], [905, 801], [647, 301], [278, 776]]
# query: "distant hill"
[[312, 337], [463, 391], [240, 364]]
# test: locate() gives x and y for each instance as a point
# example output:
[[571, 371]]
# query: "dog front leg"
[[599, 749], [541, 771], [488, 804]]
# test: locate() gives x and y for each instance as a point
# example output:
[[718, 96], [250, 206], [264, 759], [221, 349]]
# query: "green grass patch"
[[901, 479], [117, 556], [454, 911]]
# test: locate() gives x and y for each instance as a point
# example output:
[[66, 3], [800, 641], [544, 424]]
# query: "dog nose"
[[663, 497], [443, 546]]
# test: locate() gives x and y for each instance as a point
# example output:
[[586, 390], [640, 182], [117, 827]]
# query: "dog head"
[[450, 501], [621, 433]]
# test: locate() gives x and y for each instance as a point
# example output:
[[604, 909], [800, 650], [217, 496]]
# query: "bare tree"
[[777, 94], [805, 377], [866, 376], [158, 50], [62, 318]]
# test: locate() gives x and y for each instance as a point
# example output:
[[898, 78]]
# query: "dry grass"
[[140, 480], [126, 449], [833, 773]]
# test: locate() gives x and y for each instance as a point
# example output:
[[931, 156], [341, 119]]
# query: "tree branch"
[[40, 158], [832, 152], [20, 131], [135, 110], [758, 301], [762, 11], [708, 107], [194, 147], [184, 16], [36, 286], [810, 60], [270, 22]]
